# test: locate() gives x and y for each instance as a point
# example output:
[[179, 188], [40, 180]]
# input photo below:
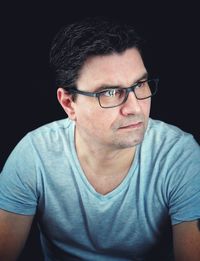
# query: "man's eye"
[[140, 84], [118, 93], [110, 93]]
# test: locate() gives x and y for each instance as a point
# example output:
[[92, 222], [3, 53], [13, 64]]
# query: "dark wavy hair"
[[92, 36]]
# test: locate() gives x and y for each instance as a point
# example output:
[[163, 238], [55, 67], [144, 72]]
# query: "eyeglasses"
[[115, 96]]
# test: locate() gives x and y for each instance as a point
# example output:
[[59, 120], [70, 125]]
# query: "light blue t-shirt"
[[133, 222]]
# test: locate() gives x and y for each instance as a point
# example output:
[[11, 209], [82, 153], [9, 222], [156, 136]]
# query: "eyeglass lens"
[[115, 97]]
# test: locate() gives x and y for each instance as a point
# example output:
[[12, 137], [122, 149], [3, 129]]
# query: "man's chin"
[[123, 144]]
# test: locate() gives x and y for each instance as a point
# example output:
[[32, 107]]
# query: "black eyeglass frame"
[[127, 90]]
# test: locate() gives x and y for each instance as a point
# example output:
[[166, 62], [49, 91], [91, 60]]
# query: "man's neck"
[[105, 168], [99, 157]]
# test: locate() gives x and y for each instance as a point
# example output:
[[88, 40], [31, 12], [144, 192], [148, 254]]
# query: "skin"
[[115, 131], [14, 232], [198, 224], [105, 141], [186, 239], [104, 124]]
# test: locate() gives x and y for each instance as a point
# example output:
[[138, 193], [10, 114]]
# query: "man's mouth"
[[132, 125]]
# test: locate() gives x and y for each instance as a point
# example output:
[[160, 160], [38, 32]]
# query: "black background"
[[28, 97]]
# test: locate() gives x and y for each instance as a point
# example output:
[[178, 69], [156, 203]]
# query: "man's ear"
[[66, 101]]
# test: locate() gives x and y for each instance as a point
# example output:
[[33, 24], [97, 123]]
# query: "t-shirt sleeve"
[[184, 195], [18, 180]]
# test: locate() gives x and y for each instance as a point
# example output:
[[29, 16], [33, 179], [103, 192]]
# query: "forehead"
[[113, 69]]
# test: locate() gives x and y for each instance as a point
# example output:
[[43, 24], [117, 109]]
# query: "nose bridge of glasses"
[[130, 90], [131, 104], [130, 93]]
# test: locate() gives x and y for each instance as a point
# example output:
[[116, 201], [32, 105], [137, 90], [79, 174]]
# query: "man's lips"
[[132, 125]]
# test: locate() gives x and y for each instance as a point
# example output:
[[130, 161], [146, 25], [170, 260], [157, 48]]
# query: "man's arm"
[[14, 230], [186, 237]]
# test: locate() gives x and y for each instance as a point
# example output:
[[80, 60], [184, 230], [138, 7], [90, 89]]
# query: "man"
[[108, 183]]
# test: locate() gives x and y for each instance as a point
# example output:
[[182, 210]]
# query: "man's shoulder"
[[164, 130], [51, 134], [164, 136], [55, 126], [49, 140]]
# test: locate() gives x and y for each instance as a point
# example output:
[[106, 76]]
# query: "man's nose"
[[131, 106]]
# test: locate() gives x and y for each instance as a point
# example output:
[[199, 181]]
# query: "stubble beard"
[[131, 138]]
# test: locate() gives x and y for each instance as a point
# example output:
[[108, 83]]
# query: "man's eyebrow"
[[143, 77], [108, 86], [105, 87]]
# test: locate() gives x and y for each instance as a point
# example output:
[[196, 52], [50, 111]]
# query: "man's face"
[[115, 128]]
